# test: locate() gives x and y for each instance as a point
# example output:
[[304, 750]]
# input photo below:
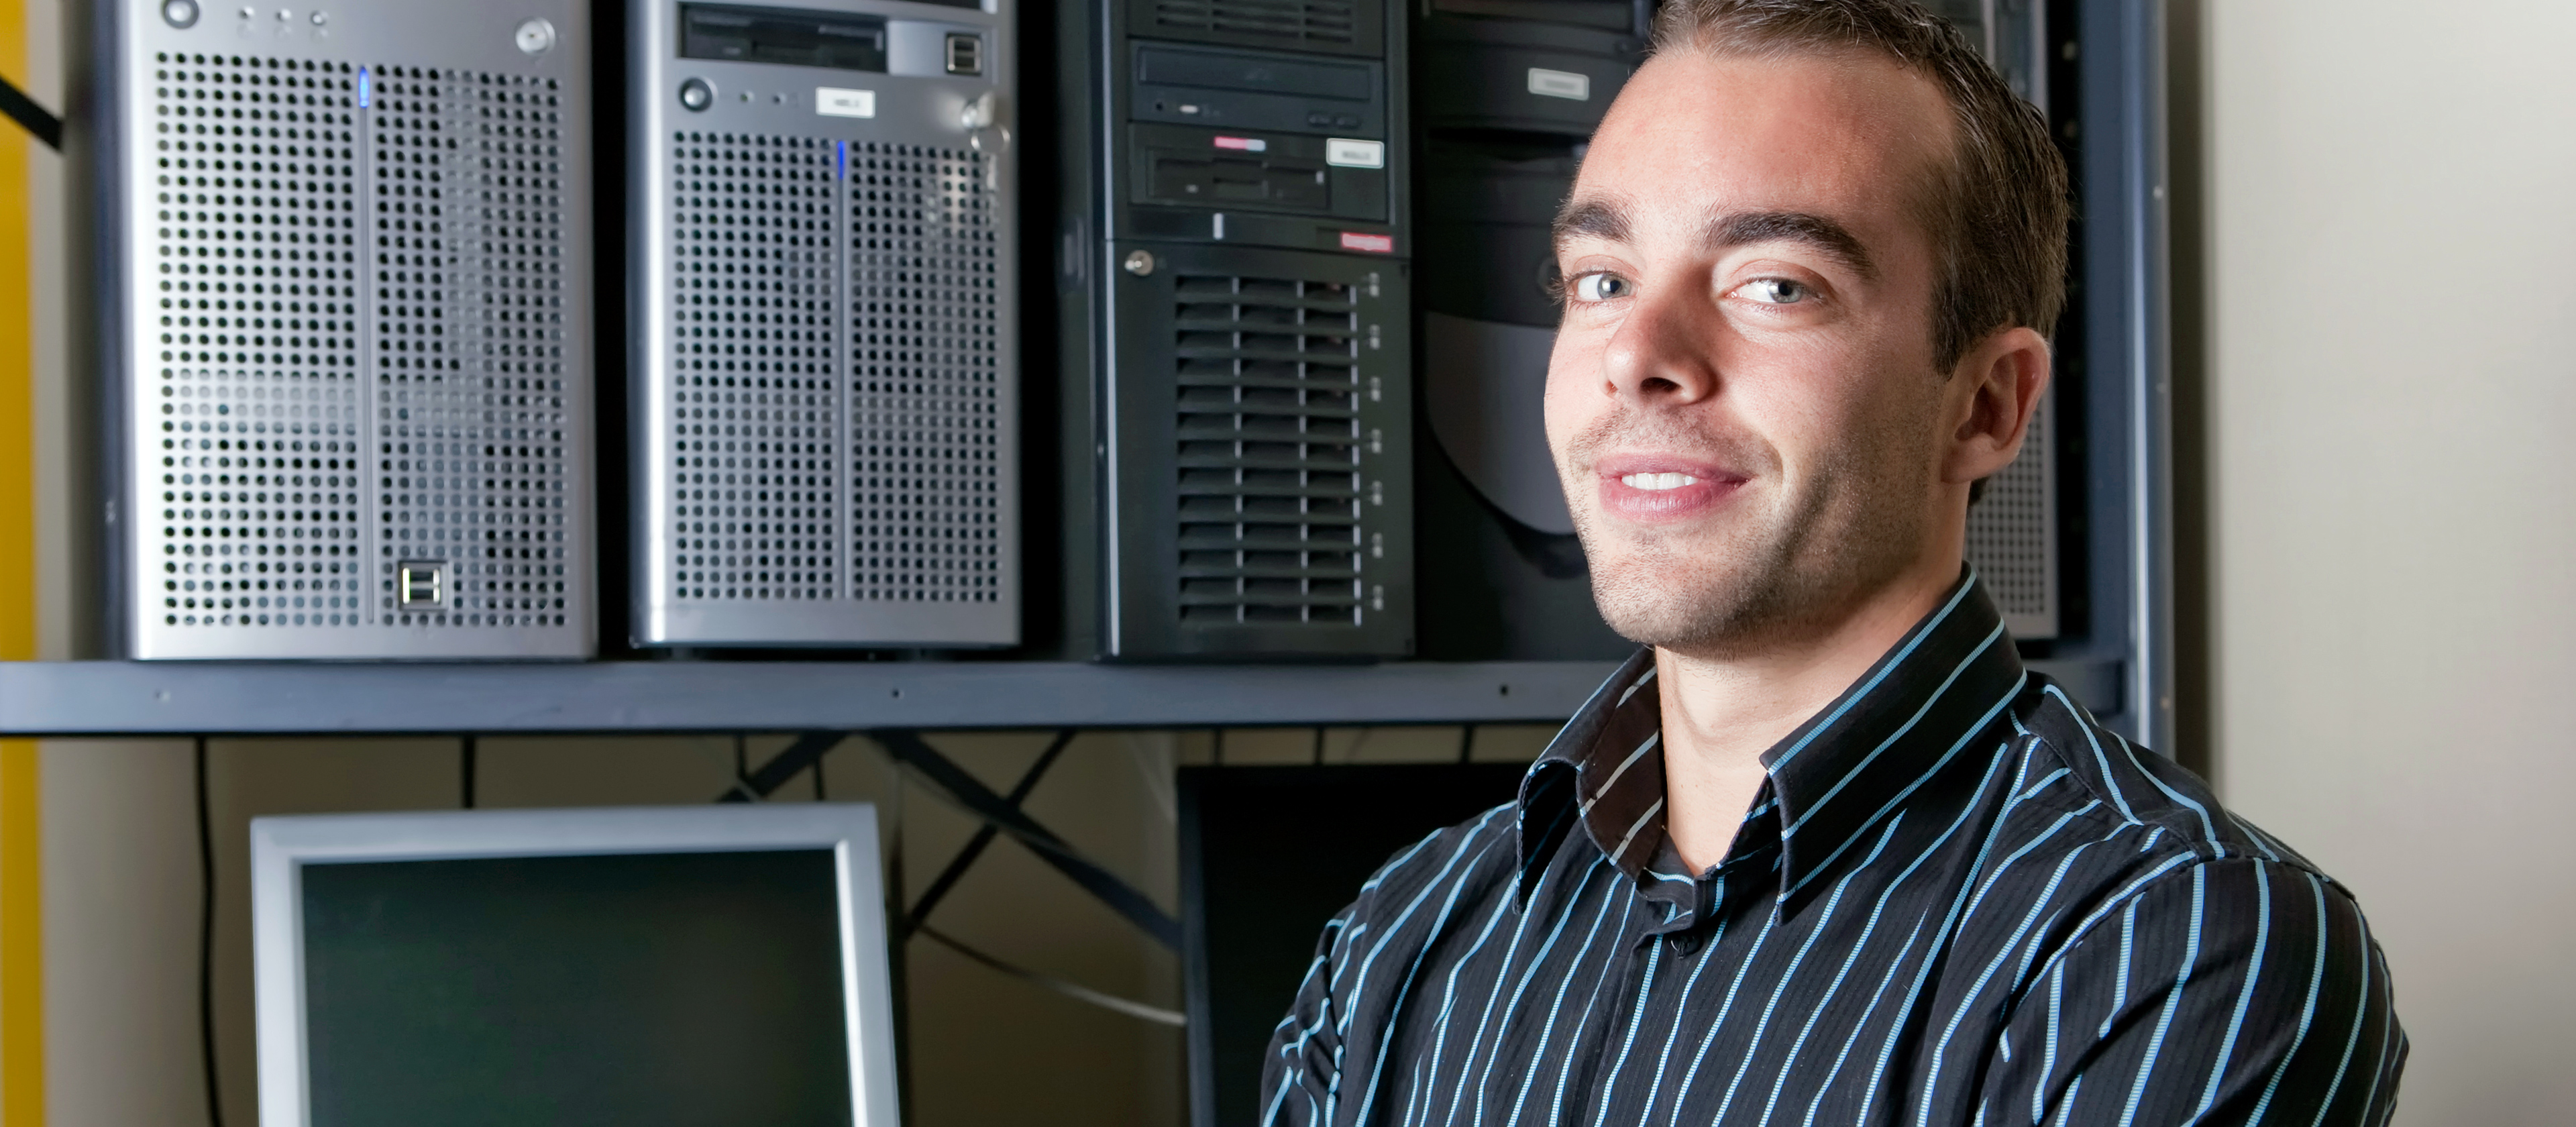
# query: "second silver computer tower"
[[344, 283], [823, 395]]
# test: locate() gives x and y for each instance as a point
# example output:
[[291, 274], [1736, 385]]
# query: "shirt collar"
[[1836, 779]]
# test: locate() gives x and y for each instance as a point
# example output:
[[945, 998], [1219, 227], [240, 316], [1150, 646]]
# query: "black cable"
[[1216, 736], [1466, 742], [465, 756], [818, 780], [1319, 745], [18, 107], [741, 758], [206, 942]]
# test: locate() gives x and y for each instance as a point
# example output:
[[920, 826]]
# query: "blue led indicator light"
[[840, 160], [363, 88]]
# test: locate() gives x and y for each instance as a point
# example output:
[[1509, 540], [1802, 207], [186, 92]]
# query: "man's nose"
[[1661, 353]]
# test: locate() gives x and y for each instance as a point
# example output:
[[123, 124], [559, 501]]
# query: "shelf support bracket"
[[953, 782]]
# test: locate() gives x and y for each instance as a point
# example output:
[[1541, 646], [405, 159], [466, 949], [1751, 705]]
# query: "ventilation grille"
[[1269, 452], [1304, 22], [468, 257], [257, 301], [754, 409], [2012, 534], [925, 378]]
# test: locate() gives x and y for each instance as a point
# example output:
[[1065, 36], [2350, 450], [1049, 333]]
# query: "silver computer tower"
[[823, 403], [345, 292]]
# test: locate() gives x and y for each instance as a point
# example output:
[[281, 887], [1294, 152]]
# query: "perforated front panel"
[[835, 389], [756, 354], [348, 293], [2012, 533], [469, 287], [257, 378], [925, 376], [1269, 480]]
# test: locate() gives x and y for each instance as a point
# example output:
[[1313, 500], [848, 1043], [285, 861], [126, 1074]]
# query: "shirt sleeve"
[[1299, 1075], [2239, 991]]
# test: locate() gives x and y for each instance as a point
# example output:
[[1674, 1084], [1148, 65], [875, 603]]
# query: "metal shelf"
[[173, 698], [117, 698]]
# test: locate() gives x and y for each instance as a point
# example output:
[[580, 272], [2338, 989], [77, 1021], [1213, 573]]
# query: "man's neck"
[[1721, 714]]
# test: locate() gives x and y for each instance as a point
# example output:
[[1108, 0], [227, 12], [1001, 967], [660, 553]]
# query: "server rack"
[[823, 308], [1234, 307], [2016, 529], [345, 305]]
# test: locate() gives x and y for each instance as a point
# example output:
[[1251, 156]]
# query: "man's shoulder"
[[1475, 850], [2167, 812]]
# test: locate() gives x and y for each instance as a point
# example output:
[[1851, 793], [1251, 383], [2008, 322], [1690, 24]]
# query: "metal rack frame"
[[118, 698]]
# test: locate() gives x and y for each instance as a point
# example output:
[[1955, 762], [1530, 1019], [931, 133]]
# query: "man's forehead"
[[1695, 138]]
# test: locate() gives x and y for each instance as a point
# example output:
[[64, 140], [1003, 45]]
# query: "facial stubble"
[[1793, 551]]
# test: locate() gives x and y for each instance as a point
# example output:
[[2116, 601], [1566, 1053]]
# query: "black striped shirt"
[[1957, 900]]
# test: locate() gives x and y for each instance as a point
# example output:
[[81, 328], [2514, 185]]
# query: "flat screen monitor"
[[637, 967]]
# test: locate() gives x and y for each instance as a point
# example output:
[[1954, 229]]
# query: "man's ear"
[[1995, 390]]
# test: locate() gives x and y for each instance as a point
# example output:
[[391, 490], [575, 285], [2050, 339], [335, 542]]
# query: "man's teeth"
[[1658, 480]]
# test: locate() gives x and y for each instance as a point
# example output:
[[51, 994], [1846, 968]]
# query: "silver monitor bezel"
[[282, 846]]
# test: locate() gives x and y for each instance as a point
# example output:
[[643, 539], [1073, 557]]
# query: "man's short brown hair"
[[1997, 213]]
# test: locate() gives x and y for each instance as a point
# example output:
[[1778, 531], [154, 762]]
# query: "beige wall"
[[2391, 390]]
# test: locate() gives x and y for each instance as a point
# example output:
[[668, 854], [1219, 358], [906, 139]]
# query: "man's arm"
[[1298, 1077], [2243, 991]]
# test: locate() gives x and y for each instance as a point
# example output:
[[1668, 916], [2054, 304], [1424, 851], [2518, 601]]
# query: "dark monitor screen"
[[1268, 856], [640, 990]]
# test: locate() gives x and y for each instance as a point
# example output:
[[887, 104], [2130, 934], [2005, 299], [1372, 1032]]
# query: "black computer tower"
[[1234, 302], [1510, 92]]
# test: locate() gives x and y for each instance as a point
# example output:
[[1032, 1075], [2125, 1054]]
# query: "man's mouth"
[[1663, 487]]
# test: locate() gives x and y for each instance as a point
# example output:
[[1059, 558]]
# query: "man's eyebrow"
[[1606, 220], [1745, 228]]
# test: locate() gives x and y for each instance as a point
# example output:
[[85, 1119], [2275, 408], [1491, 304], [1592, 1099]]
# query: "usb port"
[[421, 585], [965, 53]]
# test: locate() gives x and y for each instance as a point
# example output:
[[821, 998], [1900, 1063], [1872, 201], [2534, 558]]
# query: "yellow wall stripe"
[[22, 942], [22, 955]]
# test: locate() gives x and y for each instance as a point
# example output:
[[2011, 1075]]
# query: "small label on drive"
[[1560, 84], [1374, 244], [1349, 152], [1243, 144], [830, 102]]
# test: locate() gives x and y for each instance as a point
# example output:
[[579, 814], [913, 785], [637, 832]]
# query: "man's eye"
[[1599, 287], [1777, 291]]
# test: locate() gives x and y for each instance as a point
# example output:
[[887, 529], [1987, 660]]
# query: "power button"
[[696, 95], [179, 13]]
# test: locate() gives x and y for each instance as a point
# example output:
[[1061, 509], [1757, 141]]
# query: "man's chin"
[[1655, 607]]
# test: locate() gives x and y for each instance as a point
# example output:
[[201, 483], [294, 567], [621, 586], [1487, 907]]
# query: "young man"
[[1825, 852]]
